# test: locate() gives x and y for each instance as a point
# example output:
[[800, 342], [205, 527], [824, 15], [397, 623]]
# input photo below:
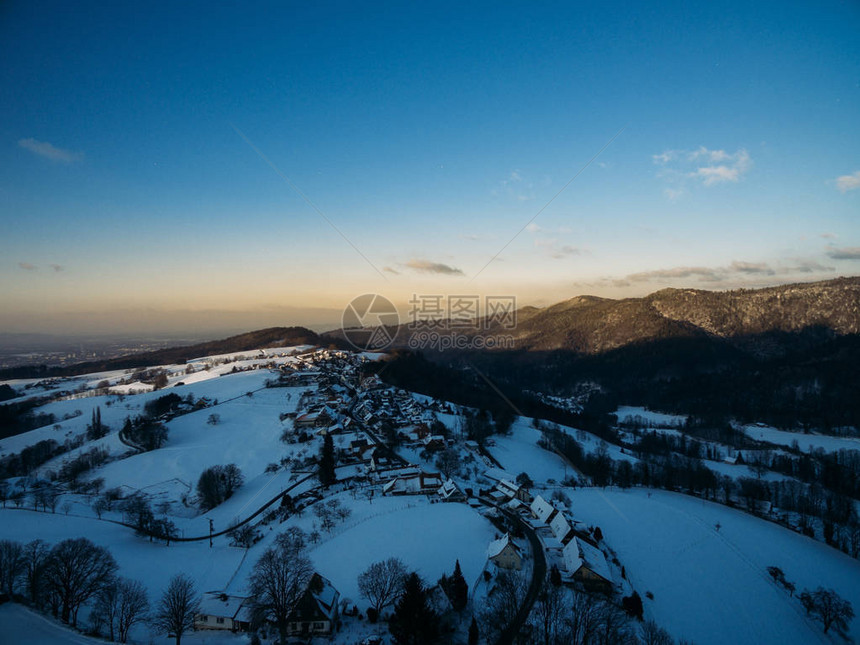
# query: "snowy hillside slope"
[[711, 585]]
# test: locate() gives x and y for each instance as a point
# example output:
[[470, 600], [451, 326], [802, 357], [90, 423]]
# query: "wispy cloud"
[[829, 236], [848, 182], [751, 267], [844, 253], [425, 266], [702, 165], [557, 251], [516, 186], [390, 270], [50, 151], [29, 266], [704, 273], [734, 271]]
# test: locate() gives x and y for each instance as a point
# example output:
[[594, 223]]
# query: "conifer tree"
[[414, 622], [459, 589], [473, 632], [326, 462]]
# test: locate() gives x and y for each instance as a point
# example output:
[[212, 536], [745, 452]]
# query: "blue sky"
[[131, 198]]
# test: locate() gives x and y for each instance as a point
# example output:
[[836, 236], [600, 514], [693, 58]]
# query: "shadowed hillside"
[[271, 337]]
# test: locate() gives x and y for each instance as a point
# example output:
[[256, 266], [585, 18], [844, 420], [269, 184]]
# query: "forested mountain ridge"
[[763, 321]]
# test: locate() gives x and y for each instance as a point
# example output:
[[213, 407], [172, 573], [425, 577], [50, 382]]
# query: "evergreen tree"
[[326, 462], [96, 430], [414, 622], [473, 632], [459, 593], [555, 576]]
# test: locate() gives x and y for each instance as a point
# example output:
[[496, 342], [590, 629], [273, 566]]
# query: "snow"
[[518, 452], [17, 620], [114, 411], [804, 441], [735, 471], [457, 531], [252, 354], [135, 387], [152, 563], [627, 413], [711, 586], [248, 434]]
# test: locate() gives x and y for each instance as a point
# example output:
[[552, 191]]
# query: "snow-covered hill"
[[703, 565]]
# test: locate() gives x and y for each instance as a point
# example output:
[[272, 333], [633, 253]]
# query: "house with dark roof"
[[315, 419], [316, 612]]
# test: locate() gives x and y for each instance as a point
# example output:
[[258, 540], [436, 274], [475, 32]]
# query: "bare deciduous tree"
[[653, 634], [278, 580], [11, 565], [382, 582], [76, 570], [448, 462], [503, 604], [122, 604], [829, 607], [35, 558], [549, 613], [583, 620], [176, 609]]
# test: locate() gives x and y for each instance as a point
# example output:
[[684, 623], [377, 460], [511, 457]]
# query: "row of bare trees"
[[76, 572], [72, 573]]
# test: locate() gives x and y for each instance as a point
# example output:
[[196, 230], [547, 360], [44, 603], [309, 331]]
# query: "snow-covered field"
[[248, 434], [804, 441], [711, 586], [16, 620], [518, 452], [427, 537], [628, 413]]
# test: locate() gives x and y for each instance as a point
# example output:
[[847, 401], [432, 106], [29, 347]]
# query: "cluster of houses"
[[315, 614], [378, 406], [570, 544], [567, 544]]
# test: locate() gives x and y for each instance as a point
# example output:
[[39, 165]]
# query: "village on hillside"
[[303, 454]]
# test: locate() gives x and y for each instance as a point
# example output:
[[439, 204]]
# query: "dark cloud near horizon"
[[844, 253]]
